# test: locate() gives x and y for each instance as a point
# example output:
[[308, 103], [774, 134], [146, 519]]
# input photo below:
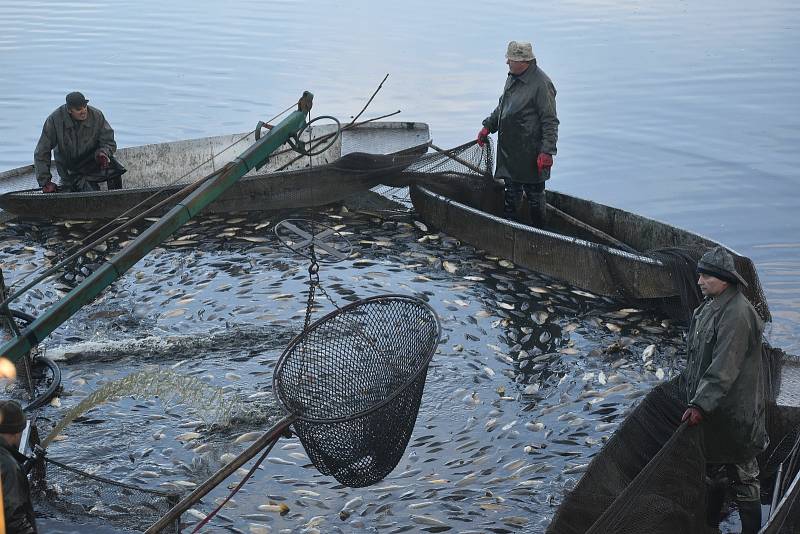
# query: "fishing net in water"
[[76, 495], [353, 382], [650, 478]]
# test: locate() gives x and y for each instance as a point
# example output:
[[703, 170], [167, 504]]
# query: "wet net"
[[353, 381], [76, 495], [651, 475]]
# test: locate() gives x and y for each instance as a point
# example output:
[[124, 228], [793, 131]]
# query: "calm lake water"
[[686, 112]]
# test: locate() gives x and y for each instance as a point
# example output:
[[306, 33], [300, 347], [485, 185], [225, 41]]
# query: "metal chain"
[[313, 284]]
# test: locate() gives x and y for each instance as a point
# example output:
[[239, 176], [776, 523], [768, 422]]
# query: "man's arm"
[[105, 143], [727, 357], [546, 105], [492, 121], [41, 155]]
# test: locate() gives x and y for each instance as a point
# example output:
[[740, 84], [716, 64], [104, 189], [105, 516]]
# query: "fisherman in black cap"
[[84, 149], [17, 506], [725, 387]]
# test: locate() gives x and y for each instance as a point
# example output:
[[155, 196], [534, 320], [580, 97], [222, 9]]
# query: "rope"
[[235, 490]]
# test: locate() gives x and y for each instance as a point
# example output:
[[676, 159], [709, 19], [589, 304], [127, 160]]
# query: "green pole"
[[190, 206]]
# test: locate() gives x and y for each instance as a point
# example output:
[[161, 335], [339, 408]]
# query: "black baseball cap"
[[76, 100]]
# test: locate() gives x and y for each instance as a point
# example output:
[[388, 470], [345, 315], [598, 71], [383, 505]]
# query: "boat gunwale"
[[539, 231]]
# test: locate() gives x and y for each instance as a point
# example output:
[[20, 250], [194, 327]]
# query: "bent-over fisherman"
[[725, 387], [17, 506], [84, 148], [527, 130]]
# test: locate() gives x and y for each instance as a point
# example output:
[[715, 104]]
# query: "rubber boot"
[[715, 498], [537, 203], [509, 205], [750, 516]]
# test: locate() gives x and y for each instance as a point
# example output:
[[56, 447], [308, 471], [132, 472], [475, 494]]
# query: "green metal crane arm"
[[126, 258]]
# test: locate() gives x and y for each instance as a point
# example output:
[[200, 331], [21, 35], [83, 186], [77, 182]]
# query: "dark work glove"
[[103, 160], [544, 161], [693, 415], [483, 135], [49, 187]]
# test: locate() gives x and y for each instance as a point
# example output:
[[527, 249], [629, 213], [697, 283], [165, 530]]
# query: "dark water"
[[683, 112]]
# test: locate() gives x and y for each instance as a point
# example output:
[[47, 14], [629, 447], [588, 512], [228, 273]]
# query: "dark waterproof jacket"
[[725, 378], [527, 125], [17, 504], [73, 141]]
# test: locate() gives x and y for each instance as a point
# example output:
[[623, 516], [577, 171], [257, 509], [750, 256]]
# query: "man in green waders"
[[725, 387], [527, 130]]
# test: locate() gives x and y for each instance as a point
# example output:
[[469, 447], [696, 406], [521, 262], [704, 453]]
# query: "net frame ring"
[[337, 248], [279, 390], [299, 146]]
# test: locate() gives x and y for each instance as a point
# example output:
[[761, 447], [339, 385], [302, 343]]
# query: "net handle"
[[266, 440]]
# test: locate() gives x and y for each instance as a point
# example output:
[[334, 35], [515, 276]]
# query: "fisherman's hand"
[[483, 135], [693, 415], [49, 187], [103, 160], [544, 161]]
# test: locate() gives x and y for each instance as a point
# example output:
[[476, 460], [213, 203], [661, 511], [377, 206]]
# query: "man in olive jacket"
[[84, 148], [17, 506], [725, 385], [527, 126]]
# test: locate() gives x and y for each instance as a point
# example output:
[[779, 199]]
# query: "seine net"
[[353, 380], [651, 475], [72, 493]]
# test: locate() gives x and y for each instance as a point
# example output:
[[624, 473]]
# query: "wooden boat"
[[286, 181], [598, 248], [608, 251]]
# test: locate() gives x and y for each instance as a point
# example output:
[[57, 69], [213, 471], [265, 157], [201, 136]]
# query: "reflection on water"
[[684, 112]]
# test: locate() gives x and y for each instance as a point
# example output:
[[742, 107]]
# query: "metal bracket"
[[298, 235]]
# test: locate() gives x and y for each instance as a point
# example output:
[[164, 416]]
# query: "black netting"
[[74, 493], [354, 380]]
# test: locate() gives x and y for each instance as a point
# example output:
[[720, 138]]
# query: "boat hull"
[[469, 208], [158, 171]]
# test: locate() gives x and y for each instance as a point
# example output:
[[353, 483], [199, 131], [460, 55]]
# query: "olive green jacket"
[[724, 377], [17, 505], [73, 141], [527, 125]]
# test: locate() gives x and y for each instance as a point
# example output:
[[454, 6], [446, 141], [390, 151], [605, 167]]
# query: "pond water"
[[680, 111]]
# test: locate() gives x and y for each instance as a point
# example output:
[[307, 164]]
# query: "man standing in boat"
[[527, 130], [725, 387], [84, 149], [17, 509]]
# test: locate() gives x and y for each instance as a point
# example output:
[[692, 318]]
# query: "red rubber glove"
[[483, 135], [49, 187], [693, 415], [544, 161], [103, 160]]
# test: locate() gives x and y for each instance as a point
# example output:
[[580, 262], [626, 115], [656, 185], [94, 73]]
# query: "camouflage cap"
[[719, 262], [520, 51], [12, 418]]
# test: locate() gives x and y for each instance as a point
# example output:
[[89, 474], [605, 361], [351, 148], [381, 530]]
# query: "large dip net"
[[353, 383], [650, 478]]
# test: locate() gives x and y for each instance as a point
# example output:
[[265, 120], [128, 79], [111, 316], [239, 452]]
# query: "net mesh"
[[650, 476], [354, 381], [72, 493]]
